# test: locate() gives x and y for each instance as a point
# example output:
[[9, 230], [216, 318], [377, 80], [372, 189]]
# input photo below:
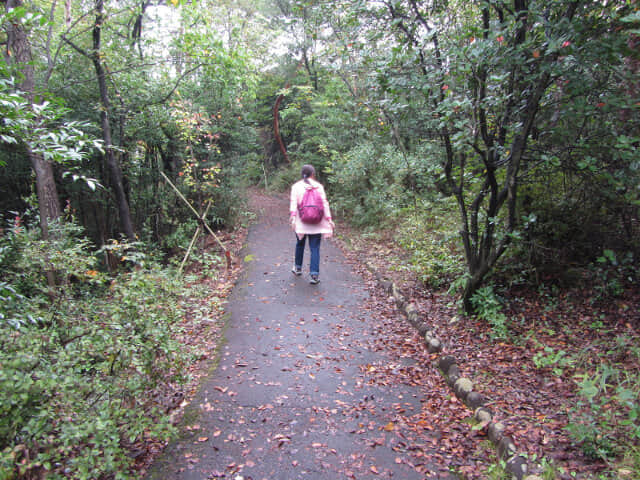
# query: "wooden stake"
[[227, 253], [193, 240]]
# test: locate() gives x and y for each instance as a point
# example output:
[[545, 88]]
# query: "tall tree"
[[112, 161], [19, 53], [485, 91]]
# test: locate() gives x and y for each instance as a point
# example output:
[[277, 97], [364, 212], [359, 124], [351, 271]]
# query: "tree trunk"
[[47, 192], [117, 179], [19, 53], [112, 162], [276, 128], [276, 119]]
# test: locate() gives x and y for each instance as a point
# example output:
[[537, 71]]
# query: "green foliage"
[[181, 236], [428, 231], [322, 124], [630, 465], [612, 275], [78, 374], [42, 129], [25, 258], [605, 420], [282, 179], [503, 98], [549, 357], [498, 471], [371, 182], [488, 306]]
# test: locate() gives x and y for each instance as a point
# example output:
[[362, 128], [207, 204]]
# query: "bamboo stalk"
[[227, 253], [193, 240], [195, 237]]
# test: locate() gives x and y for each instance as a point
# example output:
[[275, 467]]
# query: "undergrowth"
[[431, 240], [603, 420], [82, 362]]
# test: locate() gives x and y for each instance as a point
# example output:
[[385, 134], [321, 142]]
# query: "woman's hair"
[[308, 171]]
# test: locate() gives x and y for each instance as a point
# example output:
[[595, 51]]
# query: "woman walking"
[[310, 218]]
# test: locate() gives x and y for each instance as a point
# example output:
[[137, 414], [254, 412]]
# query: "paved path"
[[291, 397]]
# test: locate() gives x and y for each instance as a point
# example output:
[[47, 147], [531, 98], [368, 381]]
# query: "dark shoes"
[[298, 271]]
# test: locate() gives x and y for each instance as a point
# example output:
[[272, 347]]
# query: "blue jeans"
[[314, 246]]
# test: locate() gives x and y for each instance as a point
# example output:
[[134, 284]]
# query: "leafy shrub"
[[25, 258], [611, 274], [604, 421], [428, 231], [370, 183], [557, 360], [181, 235], [255, 171], [488, 306], [283, 178], [77, 376]]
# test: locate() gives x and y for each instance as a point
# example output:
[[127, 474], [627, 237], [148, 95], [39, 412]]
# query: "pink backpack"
[[311, 208]]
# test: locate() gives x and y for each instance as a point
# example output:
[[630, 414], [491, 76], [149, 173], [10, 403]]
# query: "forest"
[[491, 143]]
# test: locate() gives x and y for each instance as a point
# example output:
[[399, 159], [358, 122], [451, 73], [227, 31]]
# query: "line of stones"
[[516, 464]]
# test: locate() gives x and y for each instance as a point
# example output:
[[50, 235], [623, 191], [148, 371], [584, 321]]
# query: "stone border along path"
[[516, 463], [293, 395]]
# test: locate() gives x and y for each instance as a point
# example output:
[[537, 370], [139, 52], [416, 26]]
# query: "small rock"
[[475, 400], [445, 362], [506, 447], [434, 345], [453, 370], [463, 387], [452, 379], [400, 301], [482, 415], [496, 431], [517, 466]]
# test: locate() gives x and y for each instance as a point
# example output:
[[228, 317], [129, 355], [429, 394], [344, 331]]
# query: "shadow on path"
[[290, 398]]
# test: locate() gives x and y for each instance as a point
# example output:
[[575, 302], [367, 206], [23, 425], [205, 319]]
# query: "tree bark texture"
[[276, 128]]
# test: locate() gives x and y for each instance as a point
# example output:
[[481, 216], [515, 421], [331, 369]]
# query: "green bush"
[[488, 307], [557, 360], [370, 183], [611, 274], [428, 231], [604, 421], [77, 376], [282, 179]]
